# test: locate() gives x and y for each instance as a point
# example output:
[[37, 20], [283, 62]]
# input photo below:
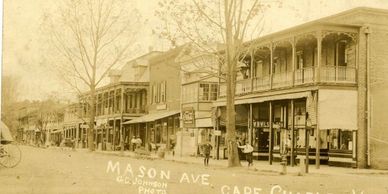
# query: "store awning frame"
[[152, 117]]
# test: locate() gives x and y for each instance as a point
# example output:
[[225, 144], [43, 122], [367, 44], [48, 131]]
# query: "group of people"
[[136, 142], [246, 149]]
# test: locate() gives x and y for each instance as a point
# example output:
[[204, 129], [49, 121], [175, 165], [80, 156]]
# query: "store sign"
[[188, 117], [217, 133]]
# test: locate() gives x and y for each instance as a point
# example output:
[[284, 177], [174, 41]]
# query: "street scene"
[[194, 96]]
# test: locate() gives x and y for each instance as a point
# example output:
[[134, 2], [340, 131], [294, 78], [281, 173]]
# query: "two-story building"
[[157, 129], [199, 88], [123, 99], [322, 85]]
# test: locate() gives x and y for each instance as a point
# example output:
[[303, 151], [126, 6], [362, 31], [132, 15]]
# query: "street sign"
[[217, 133]]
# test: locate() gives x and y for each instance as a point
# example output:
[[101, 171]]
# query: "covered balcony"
[[317, 57]]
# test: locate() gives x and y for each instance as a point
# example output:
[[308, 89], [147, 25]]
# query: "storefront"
[[156, 130]]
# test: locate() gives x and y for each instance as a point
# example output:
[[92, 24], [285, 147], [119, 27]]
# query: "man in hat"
[[206, 149]]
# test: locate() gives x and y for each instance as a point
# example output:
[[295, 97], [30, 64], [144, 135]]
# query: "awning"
[[258, 99], [152, 117]]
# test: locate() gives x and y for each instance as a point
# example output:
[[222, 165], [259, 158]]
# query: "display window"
[[341, 140]]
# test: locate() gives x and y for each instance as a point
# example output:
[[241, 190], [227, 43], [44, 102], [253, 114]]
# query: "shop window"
[[341, 140]]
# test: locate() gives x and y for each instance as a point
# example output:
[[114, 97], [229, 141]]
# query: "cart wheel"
[[10, 155]]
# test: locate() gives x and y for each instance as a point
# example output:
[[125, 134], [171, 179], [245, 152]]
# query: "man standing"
[[247, 150], [133, 143], [206, 149]]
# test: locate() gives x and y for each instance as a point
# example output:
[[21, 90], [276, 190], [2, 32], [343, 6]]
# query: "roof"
[[328, 20], [153, 117]]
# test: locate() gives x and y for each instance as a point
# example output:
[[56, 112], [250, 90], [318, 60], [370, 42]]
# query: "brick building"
[[324, 80]]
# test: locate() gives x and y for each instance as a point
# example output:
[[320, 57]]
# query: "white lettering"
[[151, 173], [185, 177], [205, 179], [142, 171], [225, 189], [274, 188], [113, 167]]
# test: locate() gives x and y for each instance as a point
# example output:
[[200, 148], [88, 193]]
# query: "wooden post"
[[318, 135], [121, 119], [250, 125], [293, 63], [270, 133], [114, 134], [271, 65], [307, 134], [292, 131]]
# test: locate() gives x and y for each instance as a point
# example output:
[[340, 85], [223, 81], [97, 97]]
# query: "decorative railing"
[[243, 86], [326, 74], [337, 74], [261, 83], [282, 79], [304, 75]]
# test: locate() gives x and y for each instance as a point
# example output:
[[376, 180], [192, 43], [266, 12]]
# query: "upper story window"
[[299, 60], [158, 92], [341, 53], [207, 92]]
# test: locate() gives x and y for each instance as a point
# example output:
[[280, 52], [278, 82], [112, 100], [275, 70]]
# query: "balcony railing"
[[261, 83], [304, 75], [328, 74], [282, 79], [338, 74], [243, 86]]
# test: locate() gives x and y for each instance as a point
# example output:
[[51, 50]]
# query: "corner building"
[[323, 85]]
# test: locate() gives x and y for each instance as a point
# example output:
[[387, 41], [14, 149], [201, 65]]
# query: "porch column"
[[319, 50], [114, 134], [292, 131], [76, 135], [250, 124], [251, 70], [121, 119], [271, 64], [270, 133], [318, 135], [293, 62]]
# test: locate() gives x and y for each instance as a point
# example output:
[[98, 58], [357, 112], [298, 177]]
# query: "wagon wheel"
[[10, 155]]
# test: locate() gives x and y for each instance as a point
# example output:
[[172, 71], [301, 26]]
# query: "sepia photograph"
[[194, 97]]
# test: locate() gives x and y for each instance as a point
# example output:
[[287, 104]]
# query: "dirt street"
[[67, 171]]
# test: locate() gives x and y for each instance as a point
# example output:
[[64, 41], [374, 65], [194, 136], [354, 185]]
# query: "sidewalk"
[[258, 167]]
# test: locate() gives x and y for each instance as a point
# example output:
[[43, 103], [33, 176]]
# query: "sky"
[[22, 35]]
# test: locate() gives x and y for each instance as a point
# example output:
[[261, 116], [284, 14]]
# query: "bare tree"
[[90, 37], [10, 90], [49, 111], [203, 23]]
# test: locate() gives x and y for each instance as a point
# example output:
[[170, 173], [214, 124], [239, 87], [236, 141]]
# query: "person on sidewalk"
[[247, 150], [133, 143], [206, 149]]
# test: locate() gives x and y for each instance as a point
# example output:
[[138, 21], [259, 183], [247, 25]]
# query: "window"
[[213, 92], [154, 94], [207, 92], [163, 91], [204, 92], [299, 60], [341, 53], [341, 140], [159, 92]]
